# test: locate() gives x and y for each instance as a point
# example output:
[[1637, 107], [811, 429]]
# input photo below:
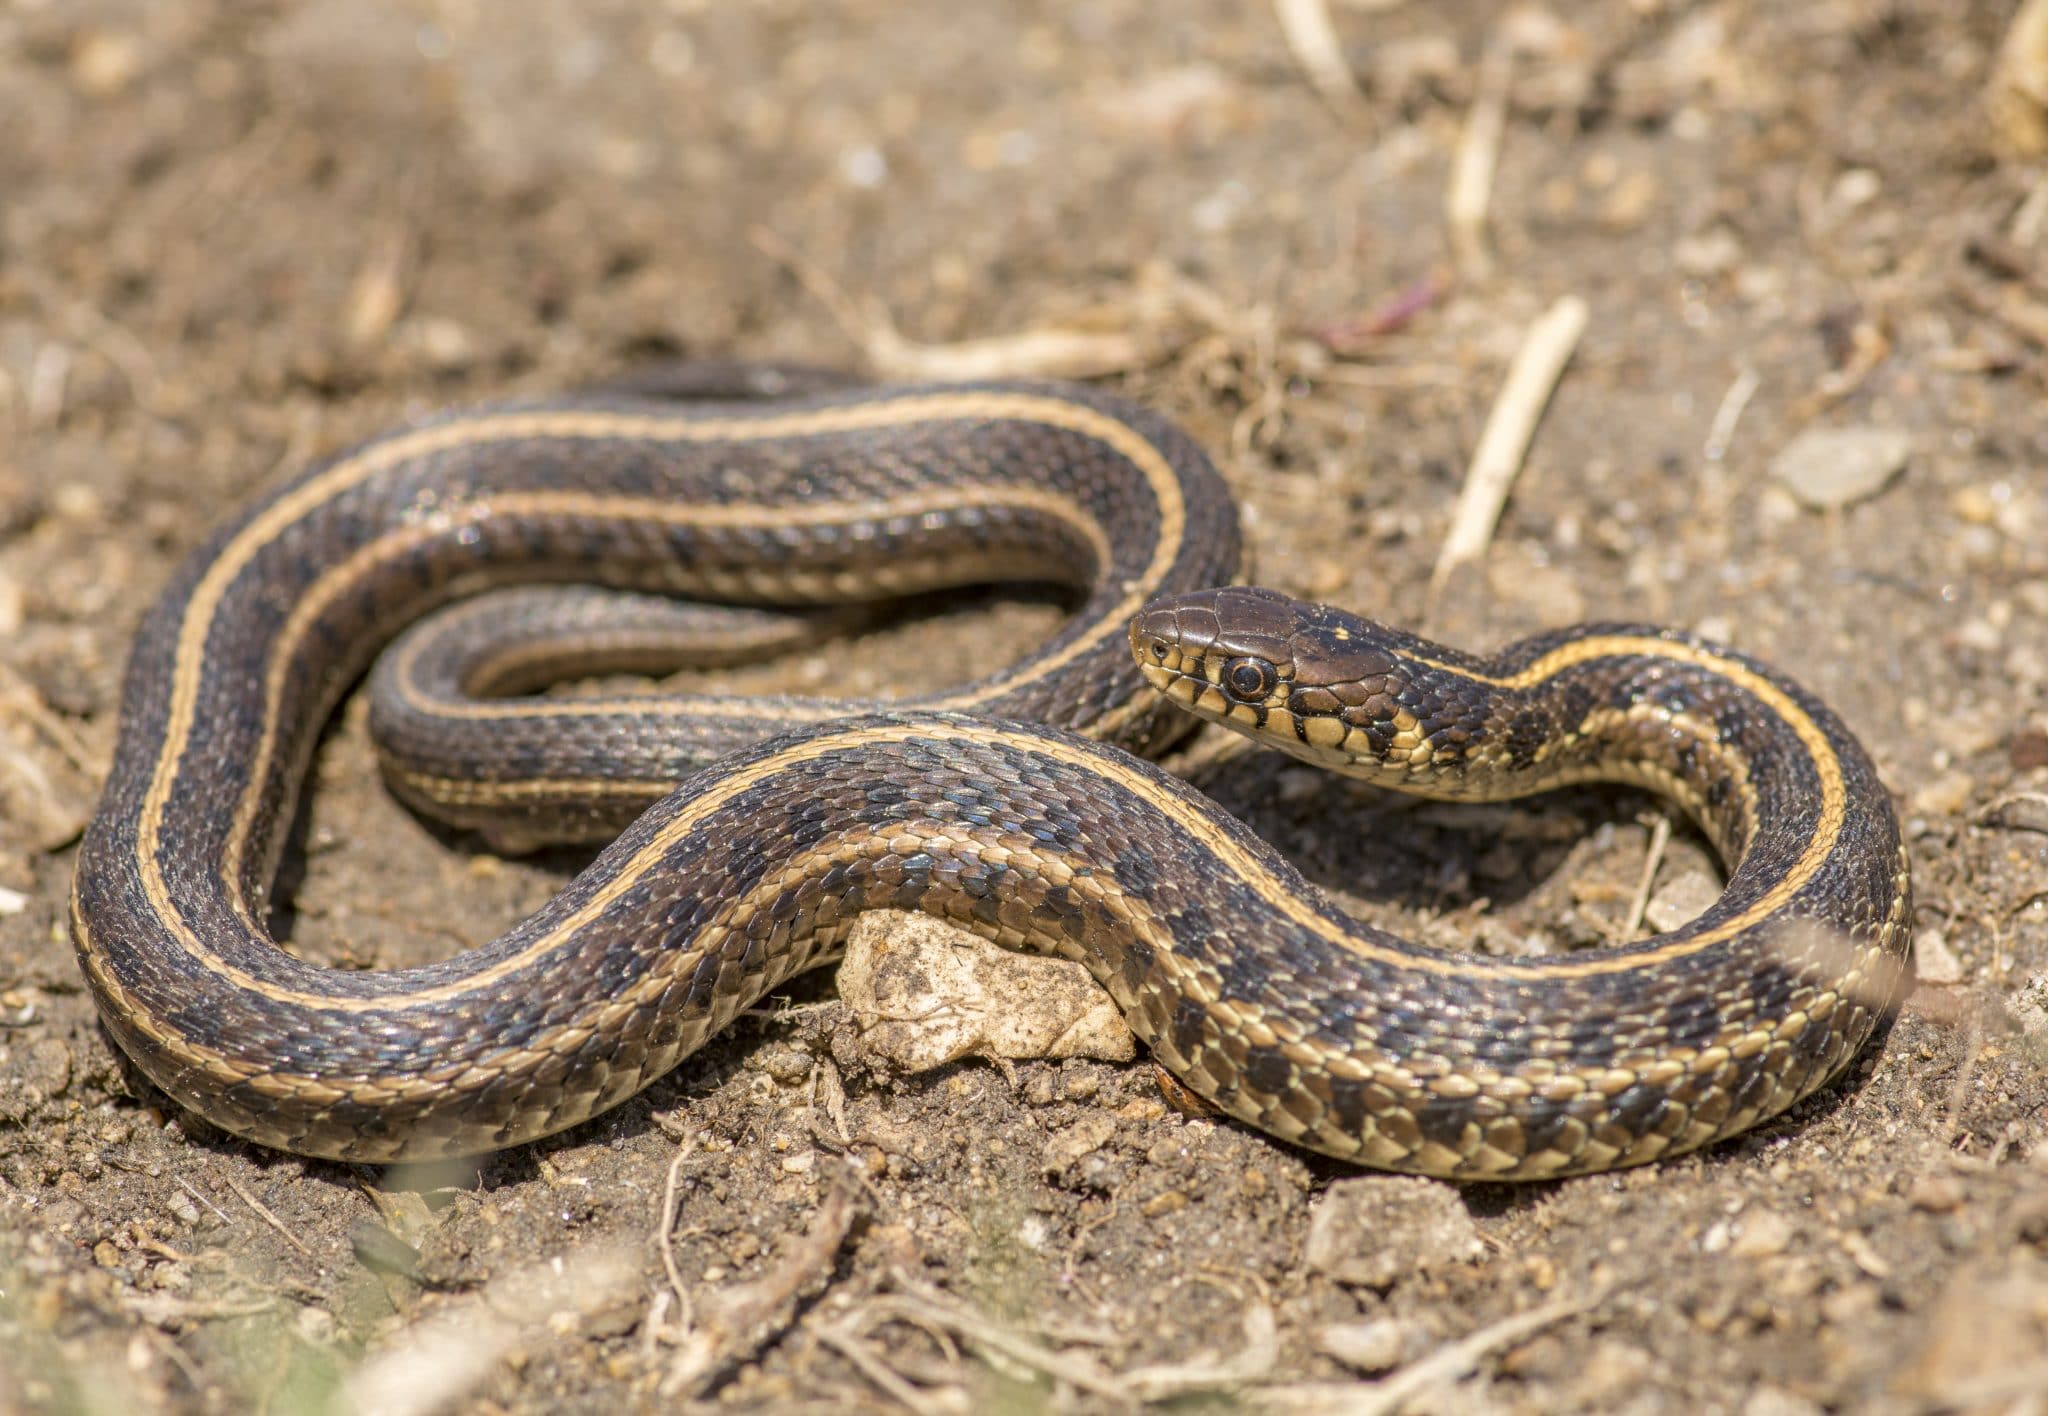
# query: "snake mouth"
[[1184, 689], [1161, 677]]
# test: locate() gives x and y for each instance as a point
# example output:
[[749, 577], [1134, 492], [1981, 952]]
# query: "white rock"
[[924, 993]]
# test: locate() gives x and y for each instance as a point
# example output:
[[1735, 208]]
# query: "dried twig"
[[848, 1344], [1256, 1359], [1660, 836], [166, 1310], [2020, 811], [1531, 377], [738, 1321], [46, 770], [377, 297], [1448, 1363], [1312, 38], [265, 1215], [1349, 336], [186, 1186], [930, 1308], [1470, 195], [668, 1224], [938, 1310], [1966, 1075], [1721, 432]]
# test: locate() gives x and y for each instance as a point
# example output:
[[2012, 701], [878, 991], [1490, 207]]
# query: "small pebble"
[[1946, 795], [1834, 467], [1610, 1373], [1765, 1234], [1774, 1401], [1936, 1194], [314, 1325], [1085, 1136], [1933, 960], [105, 62], [1715, 251], [1079, 1086], [2028, 749], [787, 1065], [1379, 1345]]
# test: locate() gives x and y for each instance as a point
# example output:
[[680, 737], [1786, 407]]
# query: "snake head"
[[1327, 686], [1218, 651]]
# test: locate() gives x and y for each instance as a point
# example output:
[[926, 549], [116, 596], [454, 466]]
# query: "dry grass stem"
[[1470, 195], [377, 297], [945, 1401], [1537, 365], [265, 1215], [1312, 38], [1660, 837], [1721, 432], [667, 1236]]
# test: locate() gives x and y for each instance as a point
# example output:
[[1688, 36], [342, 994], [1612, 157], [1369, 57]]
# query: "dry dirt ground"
[[237, 233]]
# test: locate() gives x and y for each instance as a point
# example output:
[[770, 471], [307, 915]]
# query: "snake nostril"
[[1159, 648]]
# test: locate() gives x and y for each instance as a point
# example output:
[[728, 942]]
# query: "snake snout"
[[1224, 620], [1210, 649]]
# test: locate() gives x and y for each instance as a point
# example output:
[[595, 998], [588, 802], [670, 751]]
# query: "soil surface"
[[236, 235]]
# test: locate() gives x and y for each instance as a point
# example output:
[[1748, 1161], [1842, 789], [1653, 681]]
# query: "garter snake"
[[1011, 807]]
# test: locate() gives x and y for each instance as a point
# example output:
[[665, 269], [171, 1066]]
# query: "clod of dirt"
[[1086, 1136], [1372, 1232], [30, 1075], [1833, 467], [2030, 1007], [923, 994]]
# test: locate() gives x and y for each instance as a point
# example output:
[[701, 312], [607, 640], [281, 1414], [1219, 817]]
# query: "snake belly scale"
[[1045, 835]]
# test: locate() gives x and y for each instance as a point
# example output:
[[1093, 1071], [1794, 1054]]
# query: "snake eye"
[[1249, 680]]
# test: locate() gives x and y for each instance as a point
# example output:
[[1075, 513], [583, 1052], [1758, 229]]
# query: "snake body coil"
[[1239, 974]]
